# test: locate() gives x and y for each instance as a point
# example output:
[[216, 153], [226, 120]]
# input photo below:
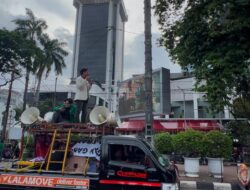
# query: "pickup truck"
[[126, 163]]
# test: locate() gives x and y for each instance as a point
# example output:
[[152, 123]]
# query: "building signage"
[[40, 181]]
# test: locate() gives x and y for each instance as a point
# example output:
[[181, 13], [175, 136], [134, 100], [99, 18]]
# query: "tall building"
[[99, 42]]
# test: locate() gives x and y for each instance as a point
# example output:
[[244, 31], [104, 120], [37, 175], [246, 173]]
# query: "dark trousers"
[[57, 117], [81, 106]]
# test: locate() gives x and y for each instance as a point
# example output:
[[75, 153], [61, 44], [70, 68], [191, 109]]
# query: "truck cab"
[[131, 163]]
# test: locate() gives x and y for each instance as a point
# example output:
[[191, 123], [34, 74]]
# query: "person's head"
[[84, 72], [67, 102], [243, 167]]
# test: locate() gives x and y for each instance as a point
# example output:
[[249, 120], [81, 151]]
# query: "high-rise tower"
[[99, 41]]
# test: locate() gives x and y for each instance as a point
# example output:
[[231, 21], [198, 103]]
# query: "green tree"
[[14, 52], [211, 39], [32, 28], [52, 55], [240, 131], [241, 107]]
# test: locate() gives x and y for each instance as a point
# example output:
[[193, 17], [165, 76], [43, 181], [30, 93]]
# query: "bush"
[[218, 145], [163, 143], [189, 143]]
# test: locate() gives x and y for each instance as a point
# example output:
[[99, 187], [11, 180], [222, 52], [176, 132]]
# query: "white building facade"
[[187, 103]]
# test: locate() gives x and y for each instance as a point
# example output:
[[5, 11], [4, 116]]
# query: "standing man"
[[83, 85]]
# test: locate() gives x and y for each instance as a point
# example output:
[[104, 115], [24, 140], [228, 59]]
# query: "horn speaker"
[[100, 115], [48, 116], [30, 116]]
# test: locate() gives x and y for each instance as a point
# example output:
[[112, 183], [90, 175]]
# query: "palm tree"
[[31, 28], [53, 55]]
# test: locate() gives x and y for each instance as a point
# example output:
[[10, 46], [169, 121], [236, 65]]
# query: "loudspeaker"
[[48, 116], [100, 115], [30, 116]]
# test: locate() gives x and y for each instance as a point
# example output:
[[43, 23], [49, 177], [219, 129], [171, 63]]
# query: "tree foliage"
[[211, 39], [239, 130], [163, 143], [241, 107], [51, 52], [14, 50], [52, 55], [31, 27], [218, 145], [189, 143]]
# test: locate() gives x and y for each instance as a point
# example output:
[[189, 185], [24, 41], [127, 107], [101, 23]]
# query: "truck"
[[124, 163]]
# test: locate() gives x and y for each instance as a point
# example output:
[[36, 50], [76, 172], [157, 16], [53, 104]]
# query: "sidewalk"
[[229, 180], [229, 175]]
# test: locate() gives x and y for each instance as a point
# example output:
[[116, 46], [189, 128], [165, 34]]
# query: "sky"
[[60, 18]]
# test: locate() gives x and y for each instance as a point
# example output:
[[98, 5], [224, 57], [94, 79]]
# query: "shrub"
[[218, 145], [189, 143], [163, 143]]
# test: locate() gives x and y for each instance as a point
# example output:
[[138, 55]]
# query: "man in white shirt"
[[83, 85]]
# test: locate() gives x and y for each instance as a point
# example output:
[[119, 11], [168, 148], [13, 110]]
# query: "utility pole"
[[148, 71], [54, 101], [6, 115], [184, 106]]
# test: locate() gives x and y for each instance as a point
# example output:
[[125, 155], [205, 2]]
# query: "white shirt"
[[82, 88]]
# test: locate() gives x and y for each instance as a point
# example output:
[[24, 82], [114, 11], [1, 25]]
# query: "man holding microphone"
[[83, 85]]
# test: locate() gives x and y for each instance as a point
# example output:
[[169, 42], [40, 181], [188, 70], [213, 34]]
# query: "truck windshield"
[[163, 161]]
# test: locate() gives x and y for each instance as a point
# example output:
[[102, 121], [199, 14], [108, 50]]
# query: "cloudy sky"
[[60, 17]]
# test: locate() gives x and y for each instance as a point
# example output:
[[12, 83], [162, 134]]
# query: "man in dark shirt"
[[64, 112]]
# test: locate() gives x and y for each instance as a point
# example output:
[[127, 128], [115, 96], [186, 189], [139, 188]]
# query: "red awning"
[[170, 125], [133, 125]]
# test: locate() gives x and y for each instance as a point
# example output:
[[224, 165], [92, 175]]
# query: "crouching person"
[[64, 113]]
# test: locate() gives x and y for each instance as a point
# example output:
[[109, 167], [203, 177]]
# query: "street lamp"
[[184, 106]]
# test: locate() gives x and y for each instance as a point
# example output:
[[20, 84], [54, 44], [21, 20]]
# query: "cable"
[[91, 31]]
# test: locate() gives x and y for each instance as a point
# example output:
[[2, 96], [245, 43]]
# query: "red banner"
[[41, 181]]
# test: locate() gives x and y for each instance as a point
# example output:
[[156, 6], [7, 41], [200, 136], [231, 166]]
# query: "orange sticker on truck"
[[40, 181]]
